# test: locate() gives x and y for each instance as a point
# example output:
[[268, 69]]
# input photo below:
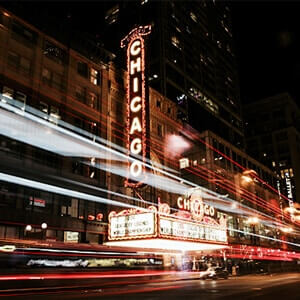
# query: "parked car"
[[214, 273]]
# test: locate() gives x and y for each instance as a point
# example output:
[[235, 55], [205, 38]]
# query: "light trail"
[[159, 183], [169, 183], [63, 191], [89, 275]]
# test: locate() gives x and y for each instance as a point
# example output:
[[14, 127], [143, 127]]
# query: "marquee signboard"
[[178, 229], [136, 104], [129, 224], [139, 224]]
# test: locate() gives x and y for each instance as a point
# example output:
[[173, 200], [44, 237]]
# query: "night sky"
[[266, 36]]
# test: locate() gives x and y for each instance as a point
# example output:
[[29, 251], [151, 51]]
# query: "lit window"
[[54, 112], [94, 76], [112, 15], [44, 107], [175, 42], [54, 52], [21, 98], [183, 163], [92, 100], [193, 17], [8, 92]]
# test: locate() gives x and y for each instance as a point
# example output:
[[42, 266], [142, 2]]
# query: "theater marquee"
[[136, 104], [145, 224]]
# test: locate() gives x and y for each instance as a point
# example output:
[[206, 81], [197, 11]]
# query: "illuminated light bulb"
[[44, 225], [28, 228]]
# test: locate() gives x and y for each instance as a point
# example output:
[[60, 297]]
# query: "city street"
[[264, 287]]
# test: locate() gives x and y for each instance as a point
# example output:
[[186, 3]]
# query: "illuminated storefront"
[[195, 229]]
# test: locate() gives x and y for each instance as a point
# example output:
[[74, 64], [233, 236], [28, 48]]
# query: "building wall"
[[43, 74], [192, 60], [273, 137]]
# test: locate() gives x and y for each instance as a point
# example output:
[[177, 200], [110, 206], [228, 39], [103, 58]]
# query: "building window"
[[8, 92], [158, 104], [112, 15], [57, 81], [80, 93], [53, 52], [193, 17], [18, 62], [21, 98], [159, 130], [175, 42], [16, 95], [282, 136], [82, 69], [46, 76], [92, 100], [43, 107], [52, 79], [23, 34], [184, 163], [54, 112], [94, 76]]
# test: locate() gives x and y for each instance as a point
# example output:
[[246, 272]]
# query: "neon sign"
[[136, 104], [290, 194], [194, 204]]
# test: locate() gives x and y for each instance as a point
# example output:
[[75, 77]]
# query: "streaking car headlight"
[[8, 248]]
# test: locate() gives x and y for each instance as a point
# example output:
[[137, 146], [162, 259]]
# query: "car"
[[214, 273]]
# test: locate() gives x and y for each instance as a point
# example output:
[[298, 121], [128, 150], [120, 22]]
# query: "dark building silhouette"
[[273, 137], [191, 59]]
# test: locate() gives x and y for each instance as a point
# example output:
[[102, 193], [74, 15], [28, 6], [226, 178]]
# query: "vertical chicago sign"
[[136, 105]]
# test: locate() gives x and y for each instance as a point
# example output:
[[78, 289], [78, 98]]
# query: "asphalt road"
[[256, 287]]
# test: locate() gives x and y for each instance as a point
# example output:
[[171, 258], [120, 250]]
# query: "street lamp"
[[44, 225], [44, 230], [28, 228]]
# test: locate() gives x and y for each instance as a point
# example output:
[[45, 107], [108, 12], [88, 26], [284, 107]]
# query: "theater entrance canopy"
[[158, 229]]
